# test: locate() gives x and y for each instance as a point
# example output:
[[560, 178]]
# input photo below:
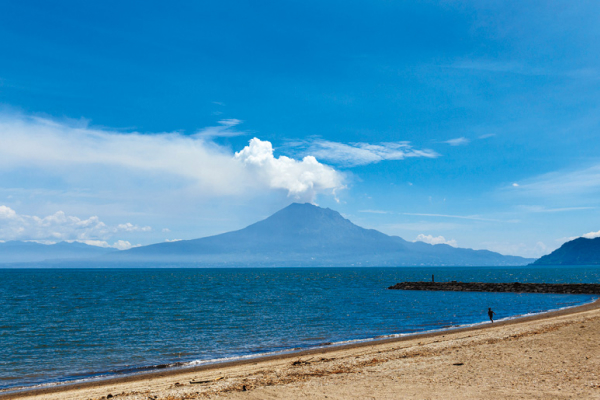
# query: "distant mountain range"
[[580, 251], [18, 252], [307, 235], [298, 235]]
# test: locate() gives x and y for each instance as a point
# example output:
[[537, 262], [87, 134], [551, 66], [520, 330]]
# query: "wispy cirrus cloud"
[[541, 209], [574, 182], [224, 129], [359, 153], [522, 68], [470, 217], [467, 217], [422, 226], [461, 141]]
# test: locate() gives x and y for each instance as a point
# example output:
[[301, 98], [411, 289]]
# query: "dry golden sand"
[[549, 357]]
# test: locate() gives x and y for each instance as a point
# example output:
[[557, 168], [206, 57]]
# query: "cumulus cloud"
[[123, 245], [591, 235], [84, 154], [458, 141], [435, 240], [354, 154], [302, 179], [119, 244], [61, 227], [129, 227]]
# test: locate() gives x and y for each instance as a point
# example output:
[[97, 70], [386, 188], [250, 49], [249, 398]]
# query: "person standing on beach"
[[491, 314]]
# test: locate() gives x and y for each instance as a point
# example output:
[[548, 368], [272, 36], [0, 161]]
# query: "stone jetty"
[[515, 287]]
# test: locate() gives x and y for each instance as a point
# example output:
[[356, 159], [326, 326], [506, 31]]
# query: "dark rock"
[[515, 287]]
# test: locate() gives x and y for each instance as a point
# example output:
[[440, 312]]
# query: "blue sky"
[[471, 123]]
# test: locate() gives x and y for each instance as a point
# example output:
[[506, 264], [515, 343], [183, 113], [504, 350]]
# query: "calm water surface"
[[66, 324]]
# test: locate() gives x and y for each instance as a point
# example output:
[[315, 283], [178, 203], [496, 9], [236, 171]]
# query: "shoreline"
[[173, 372]]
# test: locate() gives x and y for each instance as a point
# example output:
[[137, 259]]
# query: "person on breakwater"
[[491, 314]]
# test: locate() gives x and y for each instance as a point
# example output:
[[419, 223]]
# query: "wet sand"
[[548, 356]]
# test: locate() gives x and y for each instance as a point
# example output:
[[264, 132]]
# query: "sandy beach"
[[549, 356]]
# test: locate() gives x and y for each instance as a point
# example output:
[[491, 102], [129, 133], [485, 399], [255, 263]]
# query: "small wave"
[[139, 370]]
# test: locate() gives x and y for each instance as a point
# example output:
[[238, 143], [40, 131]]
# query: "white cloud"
[[354, 154], [59, 226], [7, 213], [230, 122], [591, 235], [564, 183], [471, 217], [43, 241], [119, 244], [487, 136], [435, 240], [92, 242], [71, 151], [373, 211], [541, 209], [458, 141], [223, 130], [129, 227], [302, 179], [515, 184], [123, 245], [399, 228], [79, 155]]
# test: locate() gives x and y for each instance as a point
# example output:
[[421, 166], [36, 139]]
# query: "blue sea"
[[59, 325]]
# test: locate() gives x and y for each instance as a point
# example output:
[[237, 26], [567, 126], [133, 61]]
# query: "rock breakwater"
[[515, 287]]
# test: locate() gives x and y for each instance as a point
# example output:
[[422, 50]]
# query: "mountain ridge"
[[580, 251], [305, 234], [15, 251]]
